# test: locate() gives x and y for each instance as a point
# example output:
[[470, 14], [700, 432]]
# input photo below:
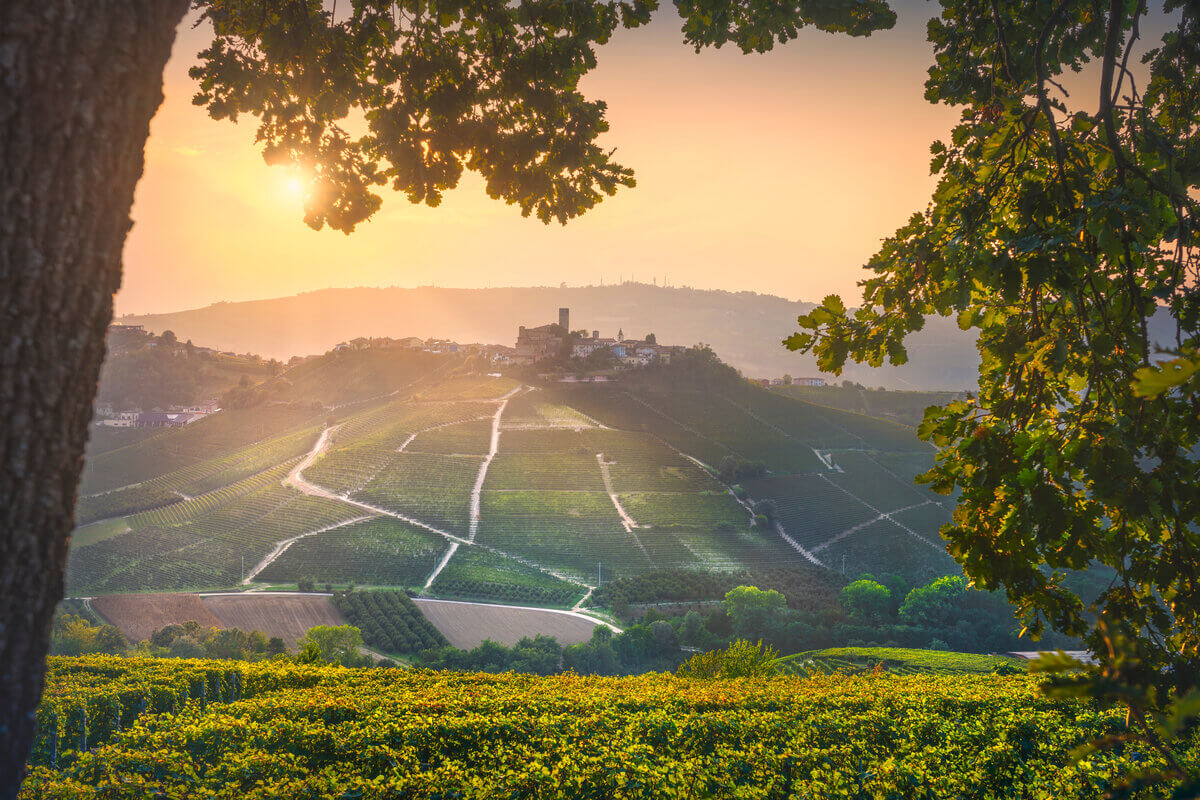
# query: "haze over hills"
[[744, 328]]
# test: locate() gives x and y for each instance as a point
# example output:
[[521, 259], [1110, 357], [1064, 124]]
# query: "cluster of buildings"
[[174, 417], [127, 338], [556, 340], [788, 380], [407, 343]]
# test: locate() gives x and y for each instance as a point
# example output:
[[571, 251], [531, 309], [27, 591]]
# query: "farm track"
[[281, 547], [473, 523], [627, 521], [882, 515], [296, 480], [856, 528]]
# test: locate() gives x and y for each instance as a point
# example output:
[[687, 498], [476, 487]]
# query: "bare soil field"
[[139, 615], [285, 616], [466, 625]]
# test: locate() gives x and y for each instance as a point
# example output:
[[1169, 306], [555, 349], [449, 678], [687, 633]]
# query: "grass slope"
[[903, 661]]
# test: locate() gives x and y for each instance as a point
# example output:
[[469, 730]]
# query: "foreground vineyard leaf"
[[1060, 225], [485, 86]]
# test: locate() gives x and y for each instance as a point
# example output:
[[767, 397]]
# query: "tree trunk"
[[79, 82]]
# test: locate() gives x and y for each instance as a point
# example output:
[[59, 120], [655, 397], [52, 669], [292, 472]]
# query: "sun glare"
[[294, 186]]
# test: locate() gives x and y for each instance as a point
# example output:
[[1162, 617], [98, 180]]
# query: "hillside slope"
[[744, 328], [476, 487]]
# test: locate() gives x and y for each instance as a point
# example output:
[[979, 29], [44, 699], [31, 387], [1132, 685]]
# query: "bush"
[[740, 659]]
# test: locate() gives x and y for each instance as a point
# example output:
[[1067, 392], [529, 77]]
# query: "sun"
[[294, 186]]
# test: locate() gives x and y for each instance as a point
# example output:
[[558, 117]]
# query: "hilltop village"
[[551, 351]]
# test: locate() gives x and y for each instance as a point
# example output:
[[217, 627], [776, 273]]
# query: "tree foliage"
[[414, 94], [1062, 229], [866, 599]]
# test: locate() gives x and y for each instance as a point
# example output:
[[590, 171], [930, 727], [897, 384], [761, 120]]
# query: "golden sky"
[[777, 173]]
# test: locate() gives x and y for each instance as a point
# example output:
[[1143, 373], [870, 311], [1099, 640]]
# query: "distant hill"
[[744, 328]]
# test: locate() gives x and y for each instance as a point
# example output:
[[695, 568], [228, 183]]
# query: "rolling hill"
[[744, 328], [403, 470]]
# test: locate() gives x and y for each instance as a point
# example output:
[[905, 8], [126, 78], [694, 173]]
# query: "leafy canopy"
[[415, 93], [1063, 230]]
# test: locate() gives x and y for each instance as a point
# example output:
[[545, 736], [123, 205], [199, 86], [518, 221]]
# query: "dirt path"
[[477, 490], [281, 547], [881, 516], [493, 448], [296, 480], [627, 521]]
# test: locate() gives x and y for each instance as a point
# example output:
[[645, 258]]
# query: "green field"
[[471, 438], [196, 479], [907, 408], [568, 472], [202, 441], [430, 488], [569, 531], [883, 547], [381, 551], [201, 543], [272, 730], [477, 574], [411, 440], [901, 661]]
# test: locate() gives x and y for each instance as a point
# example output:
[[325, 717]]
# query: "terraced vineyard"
[[434, 489], [202, 543], [476, 573], [475, 487], [380, 551], [196, 479], [217, 436]]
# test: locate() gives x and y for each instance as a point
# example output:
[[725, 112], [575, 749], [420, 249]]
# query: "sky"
[[777, 173]]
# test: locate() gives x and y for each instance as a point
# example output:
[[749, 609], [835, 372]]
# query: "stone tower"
[[564, 319]]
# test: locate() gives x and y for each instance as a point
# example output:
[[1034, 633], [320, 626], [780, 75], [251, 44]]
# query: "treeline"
[[802, 588], [389, 621], [191, 640], [640, 648]]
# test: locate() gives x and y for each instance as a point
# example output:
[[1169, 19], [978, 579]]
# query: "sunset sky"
[[777, 173]]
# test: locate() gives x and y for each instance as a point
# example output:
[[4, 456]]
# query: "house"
[[164, 419], [585, 347], [411, 343], [808, 381], [121, 419]]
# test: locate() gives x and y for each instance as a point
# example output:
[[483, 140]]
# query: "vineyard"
[[381, 551], [434, 489], [201, 543], [478, 574], [214, 437], [196, 479], [598, 481], [900, 661], [805, 588], [390, 622], [269, 730]]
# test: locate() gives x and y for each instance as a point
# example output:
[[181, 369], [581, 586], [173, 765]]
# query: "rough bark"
[[79, 82]]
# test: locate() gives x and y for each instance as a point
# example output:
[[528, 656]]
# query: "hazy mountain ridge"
[[744, 328]]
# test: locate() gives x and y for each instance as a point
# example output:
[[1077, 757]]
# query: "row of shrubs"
[[389, 621], [804, 589], [538, 595]]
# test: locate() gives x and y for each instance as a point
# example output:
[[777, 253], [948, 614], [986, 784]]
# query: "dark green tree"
[[1063, 231]]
